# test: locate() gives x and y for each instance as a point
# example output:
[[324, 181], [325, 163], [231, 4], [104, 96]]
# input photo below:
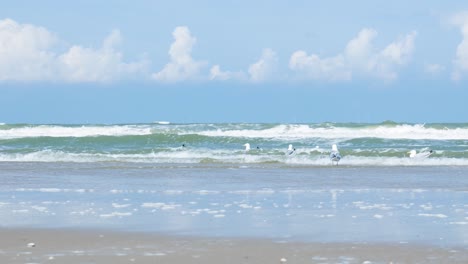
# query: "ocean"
[[383, 144], [197, 180]]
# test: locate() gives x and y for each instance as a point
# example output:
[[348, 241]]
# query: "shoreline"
[[108, 246]]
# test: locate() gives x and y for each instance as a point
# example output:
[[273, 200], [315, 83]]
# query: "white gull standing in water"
[[247, 146], [291, 150], [335, 154]]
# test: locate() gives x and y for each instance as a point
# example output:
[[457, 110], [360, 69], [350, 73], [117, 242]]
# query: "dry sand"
[[98, 246]]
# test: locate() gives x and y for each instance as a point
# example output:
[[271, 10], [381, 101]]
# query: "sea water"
[[385, 144], [197, 179]]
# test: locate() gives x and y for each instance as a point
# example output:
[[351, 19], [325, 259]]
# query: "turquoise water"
[[383, 144]]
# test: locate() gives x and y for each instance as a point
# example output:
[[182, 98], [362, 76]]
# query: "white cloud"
[[181, 66], [26, 54], [29, 53], [400, 52], [217, 74], [359, 58], [81, 64], [313, 67], [264, 68], [460, 63], [359, 50], [385, 63]]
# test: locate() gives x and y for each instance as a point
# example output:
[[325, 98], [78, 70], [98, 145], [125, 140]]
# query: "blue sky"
[[233, 61]]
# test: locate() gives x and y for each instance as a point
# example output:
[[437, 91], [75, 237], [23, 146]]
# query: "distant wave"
[[73, 131], [386, 130], [403, 131]]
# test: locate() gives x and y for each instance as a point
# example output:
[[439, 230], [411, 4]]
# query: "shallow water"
[[425, 205]]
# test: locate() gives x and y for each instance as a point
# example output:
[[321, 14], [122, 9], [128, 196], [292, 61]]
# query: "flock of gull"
[[335, 155]]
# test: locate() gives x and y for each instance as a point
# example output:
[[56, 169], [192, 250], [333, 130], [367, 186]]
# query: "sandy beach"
[[99, 246]]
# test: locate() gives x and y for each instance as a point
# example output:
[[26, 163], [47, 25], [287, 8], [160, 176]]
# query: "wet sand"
[[100, 246]]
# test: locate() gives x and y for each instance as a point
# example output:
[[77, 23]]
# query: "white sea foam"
[[116, 205], [426, 207], [152, 205], [40, 208], [52, 190], [161, 206], [20, 211], [89, 211], [326, 216], [227, 157], [433, 215], [115, 214], [458, 223], [206, 192], [404, 131], [367, 206], [74, 131], [245, 206], [157, 254]]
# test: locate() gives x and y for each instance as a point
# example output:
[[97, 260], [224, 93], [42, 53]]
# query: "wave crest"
[[73, 131], [403, 131]]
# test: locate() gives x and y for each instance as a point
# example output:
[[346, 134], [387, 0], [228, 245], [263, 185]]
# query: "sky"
[[233, 61]]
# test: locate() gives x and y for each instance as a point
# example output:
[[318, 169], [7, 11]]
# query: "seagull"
[[335, 154], [247, 146], [291, 150], [420, 155]]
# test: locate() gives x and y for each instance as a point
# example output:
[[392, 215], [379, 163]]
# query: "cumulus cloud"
[[80, 64], [259, 71], [460, 63], [217, 74], [359, 58], [181, 66], [264, 68], [315, 68], [27, 54], [385, 63], [359, 51]]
